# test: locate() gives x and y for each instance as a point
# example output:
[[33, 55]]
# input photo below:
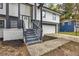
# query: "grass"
[[70, 33]]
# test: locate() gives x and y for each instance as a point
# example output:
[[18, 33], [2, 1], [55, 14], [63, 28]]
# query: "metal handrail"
[[35, 24]]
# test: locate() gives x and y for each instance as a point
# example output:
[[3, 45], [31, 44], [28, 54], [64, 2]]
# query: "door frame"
[[29, 21]]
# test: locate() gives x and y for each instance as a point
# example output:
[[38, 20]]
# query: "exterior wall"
[[12, 34], [3, 11], [76, 27], [57, 28], [47, 29], [37, 13], [1, 33], [25, 10], [13, 9], [65, 27], [69, 28], [1, 29], [48, 18]]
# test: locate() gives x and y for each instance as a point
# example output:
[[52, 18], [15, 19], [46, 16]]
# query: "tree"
[[67, 10], [54, 7], [76, 10]]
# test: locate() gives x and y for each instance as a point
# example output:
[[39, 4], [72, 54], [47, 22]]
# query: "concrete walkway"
[[44, 47], [64, 36]]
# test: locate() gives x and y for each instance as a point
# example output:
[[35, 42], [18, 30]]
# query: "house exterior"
[[69, 25], [20, 21]]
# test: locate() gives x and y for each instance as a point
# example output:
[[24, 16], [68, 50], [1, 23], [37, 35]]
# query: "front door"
[[27, 22]]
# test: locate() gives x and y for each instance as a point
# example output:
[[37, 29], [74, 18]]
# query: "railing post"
[[7, 16], [18, 22], [35, 12], [41, 5]]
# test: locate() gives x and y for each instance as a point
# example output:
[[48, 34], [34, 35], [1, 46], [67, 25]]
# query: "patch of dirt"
[[46, 38], [13, 48], [69, 49]]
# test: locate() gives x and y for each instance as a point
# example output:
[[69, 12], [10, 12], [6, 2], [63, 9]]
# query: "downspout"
[[7, 16]]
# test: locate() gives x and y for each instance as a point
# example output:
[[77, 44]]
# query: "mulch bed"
[[69, 49], [13, 48]]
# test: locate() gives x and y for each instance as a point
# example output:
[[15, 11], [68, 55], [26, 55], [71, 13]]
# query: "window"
[[63, 24], [69, 23], [44, 14], [1, 5], [54, 17], [13, 24], [1, 23]]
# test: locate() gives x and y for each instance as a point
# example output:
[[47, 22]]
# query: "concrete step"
[[31, 36], [33, 42], [32, 39]]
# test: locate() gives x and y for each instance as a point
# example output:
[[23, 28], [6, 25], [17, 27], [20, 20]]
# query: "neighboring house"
[[23, 21], [69, 26]]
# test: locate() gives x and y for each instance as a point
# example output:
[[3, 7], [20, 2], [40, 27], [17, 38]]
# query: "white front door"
[[27, 22]]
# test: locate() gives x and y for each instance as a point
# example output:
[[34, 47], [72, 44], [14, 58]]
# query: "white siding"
[[47, 29], [25, 9], [3, 11], [12, 34], [13, 9], [37, 15], [1, 33], [49, 16], [1, 29]]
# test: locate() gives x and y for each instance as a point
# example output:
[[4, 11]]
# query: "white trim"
[[4, 23]]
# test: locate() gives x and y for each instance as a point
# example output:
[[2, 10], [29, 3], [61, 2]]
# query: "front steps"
[[31, 37]]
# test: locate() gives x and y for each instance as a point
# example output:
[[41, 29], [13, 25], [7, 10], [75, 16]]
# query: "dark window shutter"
[[19, 24], [8, 23]]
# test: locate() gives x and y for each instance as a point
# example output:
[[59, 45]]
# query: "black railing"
[[36, 26], [34, 23]]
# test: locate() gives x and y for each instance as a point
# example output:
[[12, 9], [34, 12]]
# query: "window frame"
[[69, 23], [44, 14], [54, 16], [2, 25], [1, 5], [63, 23], [12, 25]]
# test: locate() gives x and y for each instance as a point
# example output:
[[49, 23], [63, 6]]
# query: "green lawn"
[[70, 33]]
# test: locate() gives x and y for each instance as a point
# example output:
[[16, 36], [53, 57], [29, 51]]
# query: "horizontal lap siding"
[[49, 17], [13, 9], [1, 29], [25, 9], [1, 33], [12, 34], [3, 11]]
